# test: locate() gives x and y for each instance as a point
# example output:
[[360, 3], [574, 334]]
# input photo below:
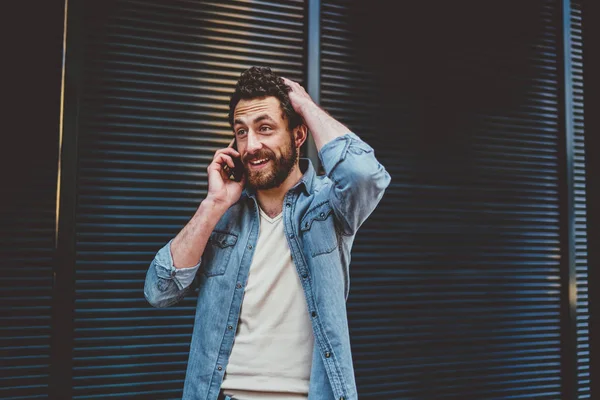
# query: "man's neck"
[[271, 200]]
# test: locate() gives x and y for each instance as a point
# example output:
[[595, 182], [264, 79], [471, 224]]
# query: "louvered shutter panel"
[[583, 314], [157, 81], [28, 168], [27, 248], [455, 289]]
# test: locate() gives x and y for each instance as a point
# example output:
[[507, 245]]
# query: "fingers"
[[293, 85], [230, 151], [224, 159], [289, 82], [298, 94]]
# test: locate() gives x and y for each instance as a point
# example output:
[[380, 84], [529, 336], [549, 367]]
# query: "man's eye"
[[240, 132], [265, 128]]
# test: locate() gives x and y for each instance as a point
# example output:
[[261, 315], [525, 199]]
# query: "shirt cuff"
[[334, 151], [183, 277]]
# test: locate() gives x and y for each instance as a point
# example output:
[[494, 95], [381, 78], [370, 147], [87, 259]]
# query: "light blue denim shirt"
[[321, 215]]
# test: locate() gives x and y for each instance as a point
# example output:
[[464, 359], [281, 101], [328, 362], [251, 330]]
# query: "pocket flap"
[[222, 239], [318, 213]]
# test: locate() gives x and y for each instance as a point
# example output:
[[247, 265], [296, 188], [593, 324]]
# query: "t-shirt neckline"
[[269, 219]]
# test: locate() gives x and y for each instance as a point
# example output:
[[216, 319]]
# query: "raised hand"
[[299, 98], [322, 126], [222, 190]]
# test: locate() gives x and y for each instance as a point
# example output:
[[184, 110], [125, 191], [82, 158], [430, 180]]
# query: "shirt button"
[[322, 215], [306, 225], [220, 368], [230, 327], [314, 314], [327, 354], [342, 398], [239, 286], [173, 274], [288, 205], [304, 275], [291, 235], [249, 247]]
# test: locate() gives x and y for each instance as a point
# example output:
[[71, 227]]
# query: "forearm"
[[358, 179], [174, 267], [323, 127], [173, 270], [187, 247]]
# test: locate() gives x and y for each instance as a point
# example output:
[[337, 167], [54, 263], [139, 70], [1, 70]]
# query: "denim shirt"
[[321, 216]]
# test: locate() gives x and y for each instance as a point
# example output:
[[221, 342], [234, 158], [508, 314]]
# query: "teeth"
[[258, 161]]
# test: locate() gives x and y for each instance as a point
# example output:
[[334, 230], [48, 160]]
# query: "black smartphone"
[[237, 173]]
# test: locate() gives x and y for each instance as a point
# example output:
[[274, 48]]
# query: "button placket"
[[302, 266], [229, 331], [290, 225]]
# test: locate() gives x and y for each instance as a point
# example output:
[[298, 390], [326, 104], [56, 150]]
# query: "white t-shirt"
[[272, 352]]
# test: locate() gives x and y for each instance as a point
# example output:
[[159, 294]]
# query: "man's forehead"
[[246, 109]]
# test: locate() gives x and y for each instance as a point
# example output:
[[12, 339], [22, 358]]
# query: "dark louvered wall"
[[26, 267], [456, 277], [575, 114], [28, 172], [157, 80]]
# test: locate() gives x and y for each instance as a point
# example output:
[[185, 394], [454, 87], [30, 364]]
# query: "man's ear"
[[300, 135]]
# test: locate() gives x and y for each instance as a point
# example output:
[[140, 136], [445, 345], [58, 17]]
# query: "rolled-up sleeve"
[[166, 285], [359, 180]]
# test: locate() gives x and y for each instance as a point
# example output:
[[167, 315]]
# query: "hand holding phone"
[[223, 172], [237, 172]]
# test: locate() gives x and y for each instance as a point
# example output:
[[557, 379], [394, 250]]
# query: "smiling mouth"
[[256, 163]]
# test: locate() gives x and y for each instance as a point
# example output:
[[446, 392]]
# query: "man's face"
[[264, 142]]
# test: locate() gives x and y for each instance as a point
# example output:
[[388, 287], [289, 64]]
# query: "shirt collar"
[[308, 174], [305, 183]]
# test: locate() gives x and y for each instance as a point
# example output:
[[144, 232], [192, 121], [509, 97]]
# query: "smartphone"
[[237, 173]]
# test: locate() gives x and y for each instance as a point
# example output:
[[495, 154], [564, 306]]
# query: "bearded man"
[[269, 255]]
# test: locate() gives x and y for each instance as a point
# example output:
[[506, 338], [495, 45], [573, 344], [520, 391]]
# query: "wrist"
[[213, 206], [307, 108]]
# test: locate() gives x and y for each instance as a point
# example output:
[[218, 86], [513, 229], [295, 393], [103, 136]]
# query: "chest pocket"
[[217, 253], [318, 230]]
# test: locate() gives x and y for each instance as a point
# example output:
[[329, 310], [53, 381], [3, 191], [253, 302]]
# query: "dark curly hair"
[[257, 82]]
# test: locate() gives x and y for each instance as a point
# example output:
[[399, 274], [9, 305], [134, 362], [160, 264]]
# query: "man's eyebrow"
[[256, 120], [262, 118]]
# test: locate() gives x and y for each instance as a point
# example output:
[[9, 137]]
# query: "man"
[[270, 254]]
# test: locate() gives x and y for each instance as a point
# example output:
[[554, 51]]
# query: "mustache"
[[263, 153]]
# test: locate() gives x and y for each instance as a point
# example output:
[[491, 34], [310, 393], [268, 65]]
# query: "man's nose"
[[253, 143]]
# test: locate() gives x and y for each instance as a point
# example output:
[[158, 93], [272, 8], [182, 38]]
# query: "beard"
[[275, 174]]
